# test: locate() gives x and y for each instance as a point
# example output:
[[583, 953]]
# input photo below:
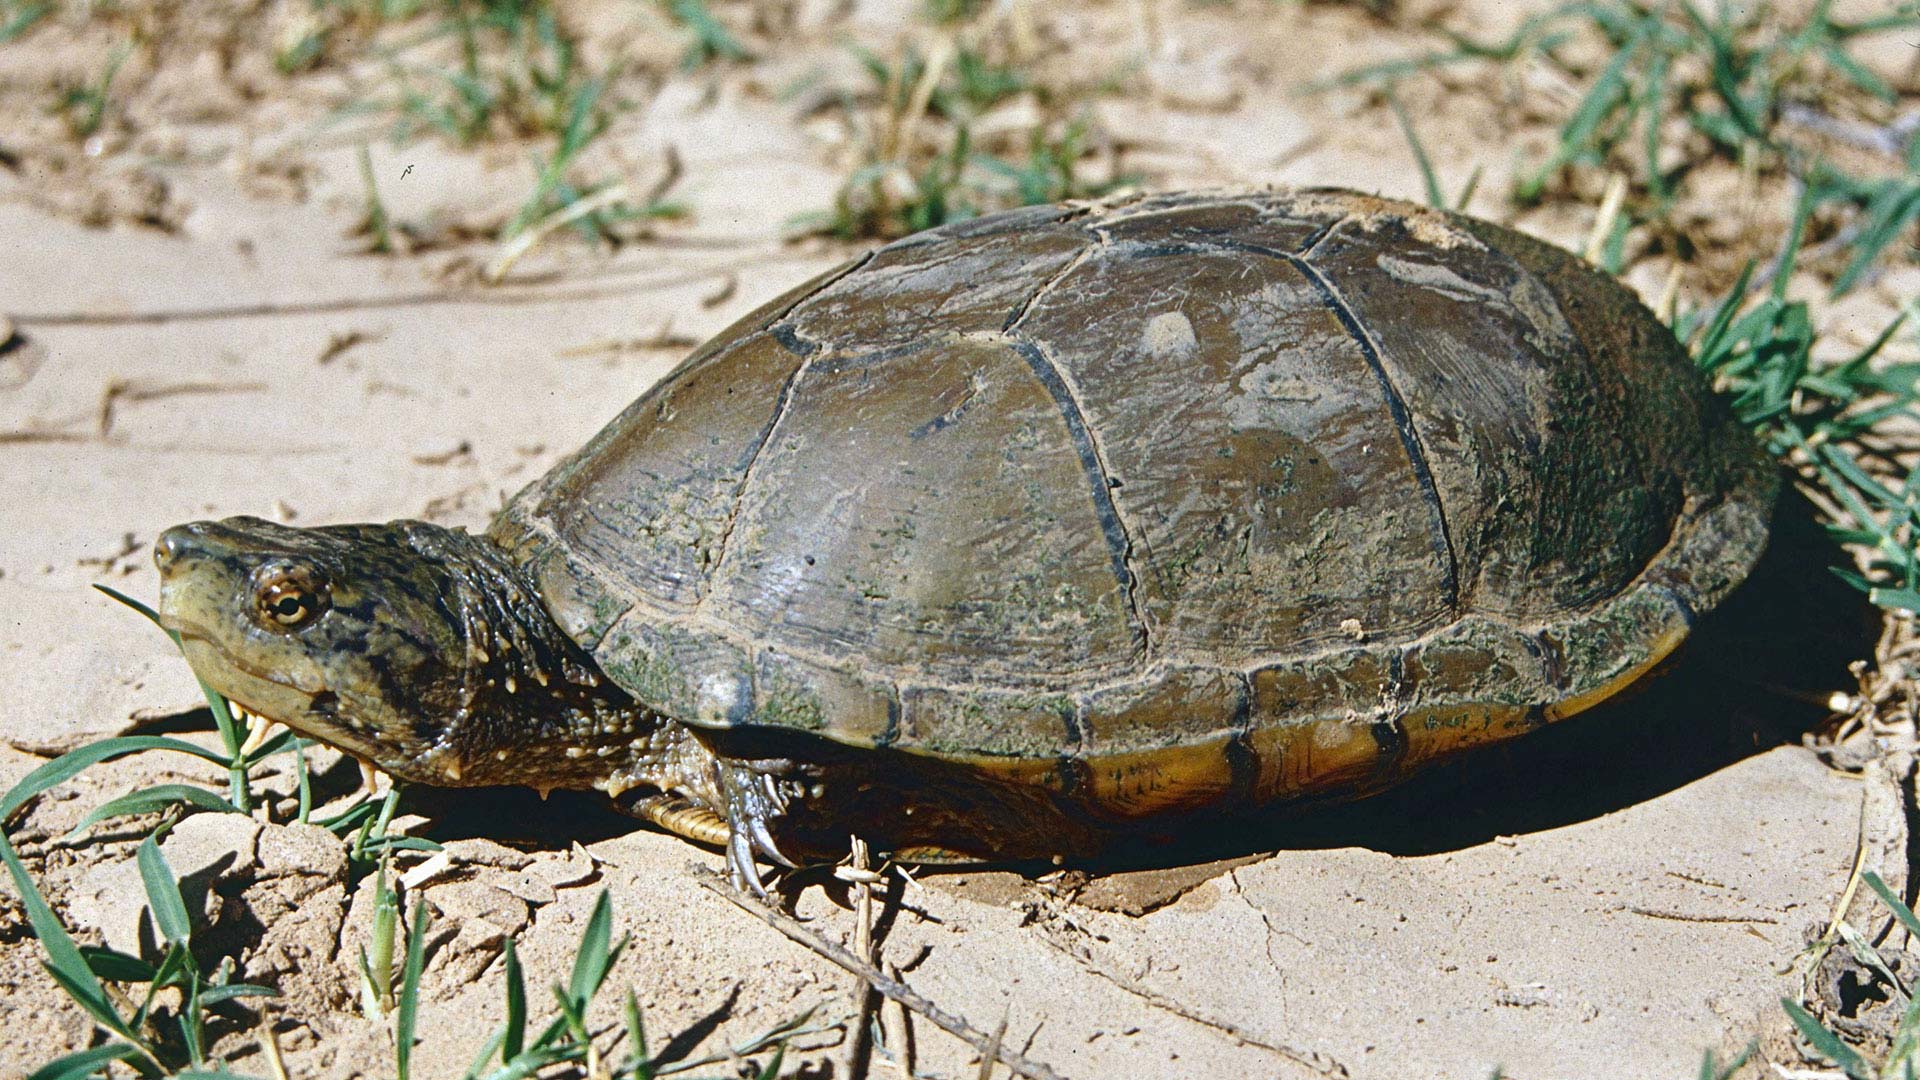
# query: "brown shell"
[[1161, 502]]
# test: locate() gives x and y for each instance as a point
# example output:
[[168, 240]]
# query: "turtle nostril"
[[171, 546]]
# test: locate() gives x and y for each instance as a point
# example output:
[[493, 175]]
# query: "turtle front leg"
[[686, 787], [755, 799]]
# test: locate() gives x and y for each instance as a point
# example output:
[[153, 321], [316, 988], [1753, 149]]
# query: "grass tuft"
[[1680, 87], [951, 132], [1903, 1053], [1820, 419], [84, 107], [711, 41], [154, 1042]]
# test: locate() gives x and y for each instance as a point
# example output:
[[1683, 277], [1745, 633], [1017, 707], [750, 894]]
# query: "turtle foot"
[[755, 802]]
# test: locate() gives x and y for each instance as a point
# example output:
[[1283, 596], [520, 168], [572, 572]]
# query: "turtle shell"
[[1161, 503]]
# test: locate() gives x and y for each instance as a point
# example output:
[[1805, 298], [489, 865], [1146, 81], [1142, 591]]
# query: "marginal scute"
[[700, 678], [1474, 659], [792, 692], [1603, 651], [1178, 706], [1711, 559], [581, 603], [1356, 682], [969, 724]]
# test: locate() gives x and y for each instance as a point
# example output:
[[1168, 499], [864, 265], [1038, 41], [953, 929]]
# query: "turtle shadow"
[[1755, 674]]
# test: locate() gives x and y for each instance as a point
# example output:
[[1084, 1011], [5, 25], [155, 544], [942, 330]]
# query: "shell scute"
[[969, 549], [1250, 450]]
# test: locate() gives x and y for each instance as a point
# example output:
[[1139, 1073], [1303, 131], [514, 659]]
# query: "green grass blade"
[[114, 966], [351, 818], [771, 1070], [1712, 1070], [532, 1061], [64, 959], [73, 762], [641, 1057], [1713, 339], [596, 956], [491, 1047], [1653, 112], [163, 895], [191, 1019], [303, 781], [1826, 1043], [516, 1027], [572, 1016], [148, 800], [152, 615], [1862, 77], [231, 736], [409, 1007], [779, 1034], [280, 744], [214, 995], [1889, 598], [1420, 160], [21, 22], [85, 1063], [1607, 94], [99, 1007], [1888, 214]]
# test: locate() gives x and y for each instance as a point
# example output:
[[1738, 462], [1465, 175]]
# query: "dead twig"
[[129, 390], [860, 1044], [341, 343], [891, 989]]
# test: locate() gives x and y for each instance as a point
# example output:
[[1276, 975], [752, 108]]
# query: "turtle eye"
[[289, 597]]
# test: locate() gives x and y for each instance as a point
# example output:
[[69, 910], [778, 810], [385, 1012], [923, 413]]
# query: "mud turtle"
[[1021, 535]]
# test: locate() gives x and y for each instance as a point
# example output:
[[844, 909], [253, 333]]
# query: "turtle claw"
[[754, 799], [764, 846], [740, 865]]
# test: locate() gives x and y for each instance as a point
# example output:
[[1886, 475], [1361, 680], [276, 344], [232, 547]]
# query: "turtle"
[[1032, 533]]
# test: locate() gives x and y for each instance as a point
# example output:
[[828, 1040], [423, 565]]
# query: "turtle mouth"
[[264, 700]]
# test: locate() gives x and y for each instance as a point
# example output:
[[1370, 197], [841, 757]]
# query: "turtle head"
[[420, 648]]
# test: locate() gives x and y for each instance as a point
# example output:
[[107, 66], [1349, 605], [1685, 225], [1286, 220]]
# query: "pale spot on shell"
[[1169, 336]]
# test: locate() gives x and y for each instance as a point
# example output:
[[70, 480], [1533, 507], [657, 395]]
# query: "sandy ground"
[[1611, 902]]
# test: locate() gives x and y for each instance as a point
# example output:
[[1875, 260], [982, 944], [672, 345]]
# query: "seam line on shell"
[[788, 336], [1020, 314], [1099, 479], [1663, 561], [1396, 408], [1113, 526], [1306, 250], [782, 406]]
